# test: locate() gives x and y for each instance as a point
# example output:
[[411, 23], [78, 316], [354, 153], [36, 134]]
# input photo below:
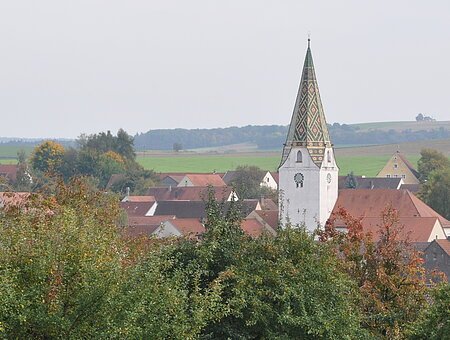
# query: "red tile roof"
[[252, 227], [139, 199], [371, 203], [188, 226], [136, 208], [416, 229], [203, 180], [276, 176], [9, 171], [188, 193], [270, 217], [149, 220]]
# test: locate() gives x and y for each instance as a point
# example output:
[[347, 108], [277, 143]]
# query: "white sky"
[[68, 67]]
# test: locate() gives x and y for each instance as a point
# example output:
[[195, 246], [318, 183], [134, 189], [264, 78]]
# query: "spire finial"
[[309, 38]]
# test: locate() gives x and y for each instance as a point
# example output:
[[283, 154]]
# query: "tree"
[[284, 287], [434, 323], [387, 269], [24, 179], [436, 191], [419, 117], [430, 161], [350, 181], [247, 181], [177, 147], [47, 157]]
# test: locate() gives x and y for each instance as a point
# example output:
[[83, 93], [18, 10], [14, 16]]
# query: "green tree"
[[434, 323], [24, 179], [350, 181], [177, 147], [431, 160], [47, 157], [436, 191], [247, 182], [288, 286]]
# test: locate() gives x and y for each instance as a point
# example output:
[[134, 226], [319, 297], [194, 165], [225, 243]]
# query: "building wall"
[[269, 181], [396, 168], [166, 229], [312, 202]]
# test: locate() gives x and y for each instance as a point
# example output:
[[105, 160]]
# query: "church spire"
[[308, 126]]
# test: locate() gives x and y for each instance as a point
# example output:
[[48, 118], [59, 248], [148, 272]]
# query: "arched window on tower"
[[328, 156], [299, 157]]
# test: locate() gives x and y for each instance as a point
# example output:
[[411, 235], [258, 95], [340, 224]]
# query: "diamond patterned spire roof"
[[308, 126]]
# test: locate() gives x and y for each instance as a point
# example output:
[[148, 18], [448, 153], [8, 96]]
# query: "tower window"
[[299, 157], [328, 156]]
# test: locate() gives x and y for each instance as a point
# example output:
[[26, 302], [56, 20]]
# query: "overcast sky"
[[68, 67]]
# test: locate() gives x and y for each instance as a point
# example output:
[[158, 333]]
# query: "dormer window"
[[299, 157]]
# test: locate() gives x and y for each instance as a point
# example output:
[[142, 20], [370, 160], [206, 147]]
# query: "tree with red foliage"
[[386, 267]]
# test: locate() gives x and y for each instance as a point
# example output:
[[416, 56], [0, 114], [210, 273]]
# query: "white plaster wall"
[[185, 182], [328, 191], [166, 229], [269, 181], [299, 205], [311, 204], [437, 232]]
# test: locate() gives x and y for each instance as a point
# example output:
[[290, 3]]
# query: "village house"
[[398, 166]]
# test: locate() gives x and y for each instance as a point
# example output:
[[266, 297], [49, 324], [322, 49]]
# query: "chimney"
[[127, 193]]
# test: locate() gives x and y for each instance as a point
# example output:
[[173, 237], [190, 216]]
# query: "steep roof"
[[252, 227], [407, 163], [181, 209], [270, 217], [371, 182], [196, 193], [416, 229], [137, 208], [9, 171], [188, 226], [371, 203], [414, 188], [202, 180], [308, 127], [139, 199]]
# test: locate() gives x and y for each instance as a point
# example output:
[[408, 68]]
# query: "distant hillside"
[[273, 136], [402, 126], [410, 148]]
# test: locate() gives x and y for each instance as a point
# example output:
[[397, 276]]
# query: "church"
[[308, 177]]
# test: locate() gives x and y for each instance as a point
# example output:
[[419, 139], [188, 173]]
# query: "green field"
[[8, 161], [401, 126], [10, 151], [360, 165]]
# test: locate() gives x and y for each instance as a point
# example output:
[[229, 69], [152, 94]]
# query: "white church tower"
[[308, 172]]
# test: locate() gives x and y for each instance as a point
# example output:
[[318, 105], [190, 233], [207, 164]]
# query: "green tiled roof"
[[308, 126]]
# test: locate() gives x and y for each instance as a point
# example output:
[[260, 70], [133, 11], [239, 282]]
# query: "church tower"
[[308, 172]]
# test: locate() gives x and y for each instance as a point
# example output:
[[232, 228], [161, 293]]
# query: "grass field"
[[405, 125], [10, 151], [360, 165], [8, 161]]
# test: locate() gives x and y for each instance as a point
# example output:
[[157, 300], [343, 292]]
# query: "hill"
[[272, 137], [402, 126]]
